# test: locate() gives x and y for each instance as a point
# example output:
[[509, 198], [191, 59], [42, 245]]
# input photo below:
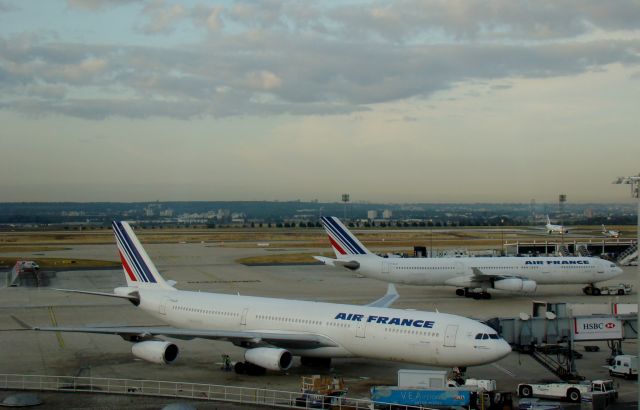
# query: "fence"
[[247, 395]]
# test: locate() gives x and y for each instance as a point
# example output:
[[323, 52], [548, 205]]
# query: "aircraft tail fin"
[[342, 240], [140, 272]]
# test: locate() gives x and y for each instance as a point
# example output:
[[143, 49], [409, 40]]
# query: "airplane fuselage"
[[428, 338], [459, 271]]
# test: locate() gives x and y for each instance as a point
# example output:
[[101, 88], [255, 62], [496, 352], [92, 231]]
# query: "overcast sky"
[[406, 101]]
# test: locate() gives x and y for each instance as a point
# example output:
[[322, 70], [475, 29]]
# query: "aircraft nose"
[[502, 349]]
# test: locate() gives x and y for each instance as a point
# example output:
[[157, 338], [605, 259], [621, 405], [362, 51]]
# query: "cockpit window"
[[485, 336], [493, 336], [479, 336], [612, 266]]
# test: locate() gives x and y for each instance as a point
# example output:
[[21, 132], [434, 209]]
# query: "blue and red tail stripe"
[[133, 263], [340, 238]]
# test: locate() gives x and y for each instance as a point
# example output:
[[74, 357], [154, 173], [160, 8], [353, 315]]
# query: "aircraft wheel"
[[254, 370], [596, 292], [588, 290], [477, 296], [460, 292], [239, 368], [620, 292], [486, 295]]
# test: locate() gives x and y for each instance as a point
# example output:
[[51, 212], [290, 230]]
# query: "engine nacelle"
[[269, 358], [516, 285], [155, 351]]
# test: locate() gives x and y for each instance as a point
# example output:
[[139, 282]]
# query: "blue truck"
[[407, 396]]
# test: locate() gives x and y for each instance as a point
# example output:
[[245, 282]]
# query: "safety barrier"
[[247, 395]]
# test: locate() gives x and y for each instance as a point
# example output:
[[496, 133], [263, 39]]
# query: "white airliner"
[[610, 233], [515, 274], [275, 330], [551, 228]]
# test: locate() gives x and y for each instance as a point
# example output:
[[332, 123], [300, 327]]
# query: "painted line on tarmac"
[[54, 322]]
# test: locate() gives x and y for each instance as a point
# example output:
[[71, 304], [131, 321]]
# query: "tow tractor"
[[569, 391]]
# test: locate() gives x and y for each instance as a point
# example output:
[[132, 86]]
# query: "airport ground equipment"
[[623, 251], [25, 273], [619, 289], [549, 332], [320, 391], [624, 365], [569, 391]]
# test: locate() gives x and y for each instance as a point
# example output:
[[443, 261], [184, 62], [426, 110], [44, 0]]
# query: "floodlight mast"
[[634, 181]]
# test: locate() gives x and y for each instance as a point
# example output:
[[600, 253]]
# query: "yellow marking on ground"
[[54, 322]]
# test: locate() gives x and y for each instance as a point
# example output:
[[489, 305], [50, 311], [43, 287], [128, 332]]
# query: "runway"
[[200, 266]]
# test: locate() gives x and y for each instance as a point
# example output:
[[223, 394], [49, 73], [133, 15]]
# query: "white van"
[[624, 365]]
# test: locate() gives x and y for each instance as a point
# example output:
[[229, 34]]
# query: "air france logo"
[[385, 320], [565, 262]]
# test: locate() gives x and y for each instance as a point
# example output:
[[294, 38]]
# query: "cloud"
[[268, 58], [161, 17], [97, 5]]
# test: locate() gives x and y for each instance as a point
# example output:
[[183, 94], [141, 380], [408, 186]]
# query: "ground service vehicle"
[[569, 391], [624, 365]]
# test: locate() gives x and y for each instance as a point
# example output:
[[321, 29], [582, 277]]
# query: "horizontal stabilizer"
[[352, 265], [133, 297], [388, 299]]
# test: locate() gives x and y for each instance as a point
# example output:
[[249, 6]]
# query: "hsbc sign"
[[597, 328]]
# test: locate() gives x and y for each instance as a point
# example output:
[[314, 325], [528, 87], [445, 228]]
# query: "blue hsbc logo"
[[385, 320]]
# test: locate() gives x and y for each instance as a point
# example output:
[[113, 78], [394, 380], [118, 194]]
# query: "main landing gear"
[[322, 362], [591, 290], [471, 294], [249, 369]]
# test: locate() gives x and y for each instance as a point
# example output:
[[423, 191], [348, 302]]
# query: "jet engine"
[[516, 285], [155, 351], [269, 358]]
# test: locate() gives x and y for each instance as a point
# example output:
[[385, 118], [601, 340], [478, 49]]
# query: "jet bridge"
[[549, 332]]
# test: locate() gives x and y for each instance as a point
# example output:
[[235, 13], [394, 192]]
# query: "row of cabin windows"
[[205, 311], [411, 331], [289, 319]]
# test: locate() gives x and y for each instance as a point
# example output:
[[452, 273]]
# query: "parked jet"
[[610, 233], [551, 228], [515, 274], [275, 330]]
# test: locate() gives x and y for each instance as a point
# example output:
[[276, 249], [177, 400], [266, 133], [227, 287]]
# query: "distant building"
[[387, 214], [373, 214], [589, 213]]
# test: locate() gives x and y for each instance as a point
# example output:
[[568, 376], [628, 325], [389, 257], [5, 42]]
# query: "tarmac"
[[212, 268]]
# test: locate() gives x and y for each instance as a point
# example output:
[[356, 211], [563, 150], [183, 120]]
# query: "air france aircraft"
[[551, 228], [513, 274], [274, 330], [610, 233]]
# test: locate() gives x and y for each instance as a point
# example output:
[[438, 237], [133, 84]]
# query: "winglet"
[[22, 324], [388, 299]]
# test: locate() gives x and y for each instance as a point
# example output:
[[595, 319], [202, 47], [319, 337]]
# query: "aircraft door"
[[361, 330], [163, 305], [243, 318], [385, 267], [450, 335]]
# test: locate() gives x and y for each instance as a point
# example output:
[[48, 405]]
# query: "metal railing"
[[157, 388]]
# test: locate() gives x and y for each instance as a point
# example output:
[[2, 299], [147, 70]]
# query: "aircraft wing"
[[353, 265], [133, 333], [388, 299]]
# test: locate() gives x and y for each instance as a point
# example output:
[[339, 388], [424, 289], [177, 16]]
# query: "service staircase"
[[561, 366], [628, 256], [582, 250], [563, 250]]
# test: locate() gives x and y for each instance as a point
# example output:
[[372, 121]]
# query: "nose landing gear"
[[591, 290]]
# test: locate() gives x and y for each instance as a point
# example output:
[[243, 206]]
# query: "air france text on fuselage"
[[385, 320], [578, 262]]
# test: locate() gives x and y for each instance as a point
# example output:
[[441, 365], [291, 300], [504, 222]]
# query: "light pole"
[[502, 236], [634, 181]]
